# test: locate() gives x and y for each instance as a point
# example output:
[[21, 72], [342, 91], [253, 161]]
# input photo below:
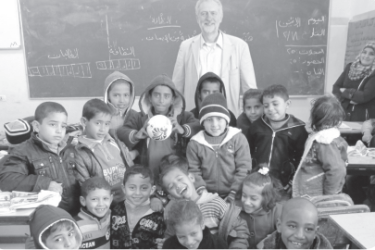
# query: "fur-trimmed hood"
[[178, 105]]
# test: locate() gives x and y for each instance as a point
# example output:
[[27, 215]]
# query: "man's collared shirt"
[[210, 55]]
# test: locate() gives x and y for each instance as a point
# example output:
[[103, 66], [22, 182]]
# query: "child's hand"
[[367, 138], [229, 198], [142, 133], [156, 204], [160, 243], [133, 154], [118, 194], [55, 187], [176, 126]]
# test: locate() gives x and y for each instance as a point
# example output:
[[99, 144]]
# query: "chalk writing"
[[13, 44], [160, 19], [296, 29], [167, 37], [77, 70], [119, 50], [120, 64], [313, 21], [67, 54]]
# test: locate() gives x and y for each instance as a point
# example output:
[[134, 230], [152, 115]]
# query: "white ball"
[[159, 128]]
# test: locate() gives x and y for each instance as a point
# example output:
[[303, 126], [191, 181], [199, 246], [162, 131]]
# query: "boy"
[[160, 98], [208, 84], [278, 138], [219, 155], [42, 162], [186, 218], [219, 217], [119, 95], [97, 153], [94, 217], [134, 224], [54, 228], [252, 110], [296, 228]]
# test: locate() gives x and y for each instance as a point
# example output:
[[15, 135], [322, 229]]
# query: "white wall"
[[13, 79]]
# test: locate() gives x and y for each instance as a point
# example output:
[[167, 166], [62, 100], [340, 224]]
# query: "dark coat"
[[360, 91]]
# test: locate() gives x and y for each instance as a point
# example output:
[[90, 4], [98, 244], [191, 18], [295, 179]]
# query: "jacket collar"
[[90, 216], [230, 134], [35, 138], [90, 143], [290, 123]]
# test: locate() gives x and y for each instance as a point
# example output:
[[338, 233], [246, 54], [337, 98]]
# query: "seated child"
[[259, 207], [53, 228], [219, 155], [296, 228], [368, 132], [160, 98], [94, 217], [97, 153], [42, 162], [219, 217], [322, 169], [186, 219], [277, 138], [133, 223], [252, 109], [208, 84], [119, 95]]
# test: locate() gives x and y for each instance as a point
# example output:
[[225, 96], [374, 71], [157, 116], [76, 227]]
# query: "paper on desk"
[[344, 126]]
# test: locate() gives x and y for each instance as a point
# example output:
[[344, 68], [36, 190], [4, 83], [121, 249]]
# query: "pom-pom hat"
[[19, 130], [214, 105]]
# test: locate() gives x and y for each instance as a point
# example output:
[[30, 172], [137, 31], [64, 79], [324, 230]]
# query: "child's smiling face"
[[251, 198], [97, 201]]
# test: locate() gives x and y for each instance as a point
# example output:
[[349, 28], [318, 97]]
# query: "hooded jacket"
[[46, 216], [360, 91], [282, 149], [322, 169], [123, 113], [198, 101], [31, 166], [177, 110], [220, 171]]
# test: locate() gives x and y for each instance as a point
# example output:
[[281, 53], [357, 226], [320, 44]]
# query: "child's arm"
[[84, 165], [365, 95], [299, 146], [195, 165], [333, 166], [191, 125], [242, 161], [240, 235], [16, 175], [132, 131], [367, 128], [338, 84]]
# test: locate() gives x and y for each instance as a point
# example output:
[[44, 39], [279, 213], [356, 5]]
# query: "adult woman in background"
[[355, 88]]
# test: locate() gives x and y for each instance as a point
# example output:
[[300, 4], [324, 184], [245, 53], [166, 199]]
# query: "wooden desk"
[[355, 128], [361, 166], [359, 228]]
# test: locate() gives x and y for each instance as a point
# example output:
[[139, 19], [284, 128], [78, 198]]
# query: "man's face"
[[209, 17]]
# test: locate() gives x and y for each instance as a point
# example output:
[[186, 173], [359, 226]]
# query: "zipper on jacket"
[[53, 166]]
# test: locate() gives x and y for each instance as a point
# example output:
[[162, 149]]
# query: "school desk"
[[350, 128], [359, 228], [360, 165], [13, 226]]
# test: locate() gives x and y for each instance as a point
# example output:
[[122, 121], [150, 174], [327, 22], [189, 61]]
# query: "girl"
[[252, 109], [322, 168], [259, 207]]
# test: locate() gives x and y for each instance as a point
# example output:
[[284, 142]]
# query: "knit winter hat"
[[214, 105], [19, 130]]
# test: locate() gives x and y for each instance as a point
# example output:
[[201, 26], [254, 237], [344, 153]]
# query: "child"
[[259, 207], [42, 162], [94, 217], [54, 228], [160, 98], [134, 224], [296, 228], [252, 109], [219, 217], [97, 153], [186, 219], [322, 169], [277, 138], [219, 155], [208, 84], [119, 95], [368, 132]]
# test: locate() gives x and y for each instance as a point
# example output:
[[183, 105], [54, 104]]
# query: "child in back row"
[[322, 169], [219, 155], [252, 109], [218, 216], [134, 224], [187, 220], [94, 217], [277, 138], [97, 153], [43, 161], [208, 84]]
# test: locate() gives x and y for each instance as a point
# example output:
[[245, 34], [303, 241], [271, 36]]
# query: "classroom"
[[74, 52]]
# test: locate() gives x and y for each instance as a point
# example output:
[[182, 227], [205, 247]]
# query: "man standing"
[[213, 51]]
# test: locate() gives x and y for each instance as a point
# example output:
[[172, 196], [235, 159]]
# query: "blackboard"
[[360, 31], [72, 45]]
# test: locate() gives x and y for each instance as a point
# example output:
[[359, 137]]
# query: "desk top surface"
[[360, 228], [17, 213], [351, 127]]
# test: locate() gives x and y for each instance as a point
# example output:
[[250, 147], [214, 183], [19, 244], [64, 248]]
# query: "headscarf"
[[357, 70]]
